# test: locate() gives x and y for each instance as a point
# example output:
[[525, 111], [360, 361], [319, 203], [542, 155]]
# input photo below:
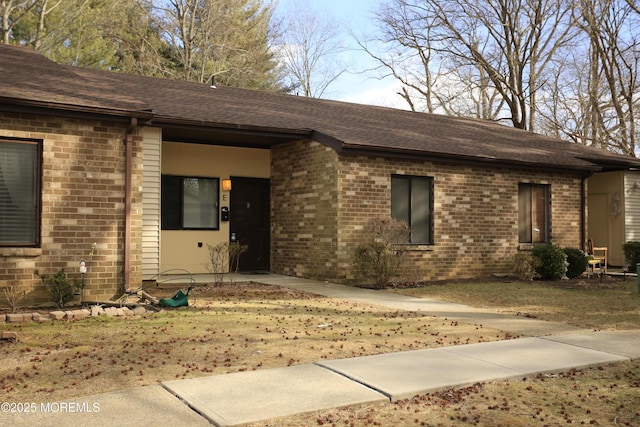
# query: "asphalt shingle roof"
[[28, 78]]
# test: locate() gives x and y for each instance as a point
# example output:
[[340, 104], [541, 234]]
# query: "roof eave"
[[292, 133], [70, 110], [469, 160]]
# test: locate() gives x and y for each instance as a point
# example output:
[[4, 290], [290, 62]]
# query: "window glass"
[[412, 202], [19, 193], [189, 203], [171, 202], [200, 203], [421, 210], [400, 199], [533, 213]]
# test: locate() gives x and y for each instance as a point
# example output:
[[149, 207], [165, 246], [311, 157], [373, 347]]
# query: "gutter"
[[128, 141], [122, 113], [464, 160]]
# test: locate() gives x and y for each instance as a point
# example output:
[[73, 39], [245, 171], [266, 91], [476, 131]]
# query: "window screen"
[[412, 202], [20, 192]]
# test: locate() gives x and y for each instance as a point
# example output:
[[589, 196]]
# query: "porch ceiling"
[[250, 138]]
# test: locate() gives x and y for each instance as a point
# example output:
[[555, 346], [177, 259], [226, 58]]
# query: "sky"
[[355, 86]]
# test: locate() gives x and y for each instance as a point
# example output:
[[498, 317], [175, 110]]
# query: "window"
[[412, 202], [534, 203], [189, 203], [20, 162]]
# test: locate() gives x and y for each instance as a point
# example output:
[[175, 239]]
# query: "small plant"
[[224, 257], [61, 291], [235, 250], [578, 262], [631, 255], [552, 262], [13, 295], [524, 266], [379, 257]]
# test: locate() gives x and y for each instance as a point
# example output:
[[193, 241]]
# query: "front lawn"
[[589, 303], [228, 328], [242, 327]]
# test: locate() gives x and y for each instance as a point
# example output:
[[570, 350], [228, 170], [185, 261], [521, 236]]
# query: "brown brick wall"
[[303, 216], [82, 203], [475, 213]]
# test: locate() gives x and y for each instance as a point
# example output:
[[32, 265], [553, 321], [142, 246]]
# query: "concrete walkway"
[[245, 397]]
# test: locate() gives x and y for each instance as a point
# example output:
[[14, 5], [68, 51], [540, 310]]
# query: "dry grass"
[[600, 396], [605, 395], [251, 326], [612, 303], [229, 329]]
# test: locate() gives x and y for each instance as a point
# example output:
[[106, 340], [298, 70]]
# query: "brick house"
[[140, 165], [613, 203]]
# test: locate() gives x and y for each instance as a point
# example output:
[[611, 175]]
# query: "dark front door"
[[249, 221]]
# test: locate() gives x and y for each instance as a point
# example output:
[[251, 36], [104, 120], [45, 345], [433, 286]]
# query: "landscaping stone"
[[80, 314], [97, 310], [37, 317], [15, 317], [56, 315], [138, 309], [9, 335]]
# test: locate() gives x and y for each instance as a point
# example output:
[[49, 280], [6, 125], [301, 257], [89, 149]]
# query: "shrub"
[[631, 255], [13, 294], [379, 258], [551, 261], [222, 257], [235, 250], [524, 266], [578, 262], [60, 290]]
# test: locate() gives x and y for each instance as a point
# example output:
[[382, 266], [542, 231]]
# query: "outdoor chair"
[[598, 257]]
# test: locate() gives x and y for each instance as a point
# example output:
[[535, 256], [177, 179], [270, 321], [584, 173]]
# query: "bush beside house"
[[577, 262], [631, 255], [550, 262]]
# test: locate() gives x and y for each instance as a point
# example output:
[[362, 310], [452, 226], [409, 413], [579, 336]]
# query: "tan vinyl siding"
[[632, 206], [151, 203]]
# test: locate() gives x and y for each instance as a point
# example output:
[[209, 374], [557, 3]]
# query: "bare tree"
[[613, 74], [403, 50], [180, 17], [309, 48], [569, 91], [632, 4], [226, 38], [504, 44]]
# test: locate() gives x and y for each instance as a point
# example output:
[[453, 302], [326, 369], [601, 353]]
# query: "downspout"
[[128, 140], [583, 210]]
